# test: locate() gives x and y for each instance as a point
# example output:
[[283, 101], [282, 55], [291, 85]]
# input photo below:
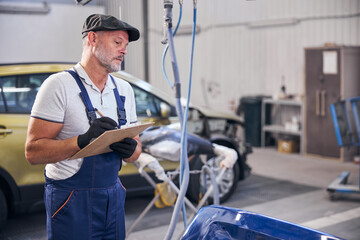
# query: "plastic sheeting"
[[229, 155], [165, 143]]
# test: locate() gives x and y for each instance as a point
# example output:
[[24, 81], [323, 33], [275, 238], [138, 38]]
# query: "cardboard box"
[[288, 146]]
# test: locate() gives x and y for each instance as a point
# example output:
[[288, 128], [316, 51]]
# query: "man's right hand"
[[99, 126]]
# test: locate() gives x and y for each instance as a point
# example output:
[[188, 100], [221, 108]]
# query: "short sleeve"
[[133, 116], [50, 102]]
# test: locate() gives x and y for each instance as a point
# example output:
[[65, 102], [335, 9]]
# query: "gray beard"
[[104, 61]]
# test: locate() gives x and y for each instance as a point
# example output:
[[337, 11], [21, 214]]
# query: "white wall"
[[131, 12], [231, 60], [39, 38], [57, 36]]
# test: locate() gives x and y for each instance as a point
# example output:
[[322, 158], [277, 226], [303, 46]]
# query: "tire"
[[3, 209], [226, 187]]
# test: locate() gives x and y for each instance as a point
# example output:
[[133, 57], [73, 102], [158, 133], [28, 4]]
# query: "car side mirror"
[[165, 110]]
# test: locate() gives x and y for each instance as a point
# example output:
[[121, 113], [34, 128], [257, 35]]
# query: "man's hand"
[[99, 126], [124, 148]]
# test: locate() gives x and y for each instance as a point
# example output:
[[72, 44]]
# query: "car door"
[[16, 99]]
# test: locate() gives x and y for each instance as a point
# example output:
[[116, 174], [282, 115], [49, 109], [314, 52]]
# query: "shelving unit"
[[279, 126]]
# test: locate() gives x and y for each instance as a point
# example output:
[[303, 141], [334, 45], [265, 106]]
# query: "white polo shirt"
[[58, 100]]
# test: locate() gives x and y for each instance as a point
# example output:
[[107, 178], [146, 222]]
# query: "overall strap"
[[90, 110], [120, 101]]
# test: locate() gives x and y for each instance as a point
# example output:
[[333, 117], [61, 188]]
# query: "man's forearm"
[[136, 153], [44, 150]]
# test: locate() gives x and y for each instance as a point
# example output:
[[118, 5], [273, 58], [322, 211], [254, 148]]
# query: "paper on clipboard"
[[101, 144]]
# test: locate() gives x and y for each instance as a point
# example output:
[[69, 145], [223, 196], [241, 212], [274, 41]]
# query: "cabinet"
[[331, 74], [282, 113]]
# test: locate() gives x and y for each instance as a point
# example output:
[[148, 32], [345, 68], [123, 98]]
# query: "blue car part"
[[224, 223]]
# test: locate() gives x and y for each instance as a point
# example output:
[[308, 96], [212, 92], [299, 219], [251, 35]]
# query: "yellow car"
[[21, 184]]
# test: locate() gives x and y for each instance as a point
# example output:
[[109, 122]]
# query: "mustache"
[[119, 58]]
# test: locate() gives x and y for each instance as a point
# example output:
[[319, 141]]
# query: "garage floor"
[[284, 186], [290, 187]]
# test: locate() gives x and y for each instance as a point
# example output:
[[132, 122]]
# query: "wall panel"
[[231, 59], [235, 60], [53, 37]]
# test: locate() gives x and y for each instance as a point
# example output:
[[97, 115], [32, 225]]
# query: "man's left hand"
[[124, 148]]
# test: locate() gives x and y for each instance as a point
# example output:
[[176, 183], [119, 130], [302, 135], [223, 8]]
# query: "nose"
[[124, 51]]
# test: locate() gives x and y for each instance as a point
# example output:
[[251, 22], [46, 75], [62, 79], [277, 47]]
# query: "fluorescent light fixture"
[[272, 23], [11, 8]]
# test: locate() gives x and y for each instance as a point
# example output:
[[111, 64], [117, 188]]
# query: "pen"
[[101, 115]]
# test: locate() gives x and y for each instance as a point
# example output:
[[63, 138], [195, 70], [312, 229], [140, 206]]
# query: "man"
[[84, 198]]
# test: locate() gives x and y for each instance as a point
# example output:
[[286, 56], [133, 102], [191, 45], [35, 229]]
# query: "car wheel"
[[197, 185], [3, 209]]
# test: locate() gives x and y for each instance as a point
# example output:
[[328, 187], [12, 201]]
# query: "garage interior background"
[[241, 48]]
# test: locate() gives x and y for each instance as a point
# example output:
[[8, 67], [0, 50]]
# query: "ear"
[[92, 38]]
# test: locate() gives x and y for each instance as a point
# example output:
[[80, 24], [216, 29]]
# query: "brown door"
[[321, 91]]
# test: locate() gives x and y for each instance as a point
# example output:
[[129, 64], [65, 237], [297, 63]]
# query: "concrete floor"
[[289, 187]]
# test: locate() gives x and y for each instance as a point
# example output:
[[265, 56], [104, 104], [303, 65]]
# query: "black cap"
[[100, 22]]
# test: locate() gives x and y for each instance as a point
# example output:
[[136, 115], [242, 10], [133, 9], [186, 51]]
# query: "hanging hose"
[[167, 47], [184, 129], [184, 164], [168, 38]]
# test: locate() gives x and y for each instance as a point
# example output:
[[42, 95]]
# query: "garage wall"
[[55, 36], [232, 59], [131, 12]]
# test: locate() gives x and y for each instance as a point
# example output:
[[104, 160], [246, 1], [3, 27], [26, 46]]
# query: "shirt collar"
[[109, 86]]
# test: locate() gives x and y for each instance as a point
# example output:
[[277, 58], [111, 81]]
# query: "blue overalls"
[[90, 204]]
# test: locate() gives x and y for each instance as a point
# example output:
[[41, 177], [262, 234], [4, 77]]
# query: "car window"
[[18, 92], [2, 97], [147, 105]]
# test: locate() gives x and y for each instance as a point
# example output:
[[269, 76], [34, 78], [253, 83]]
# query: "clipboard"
[[101, 144]]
